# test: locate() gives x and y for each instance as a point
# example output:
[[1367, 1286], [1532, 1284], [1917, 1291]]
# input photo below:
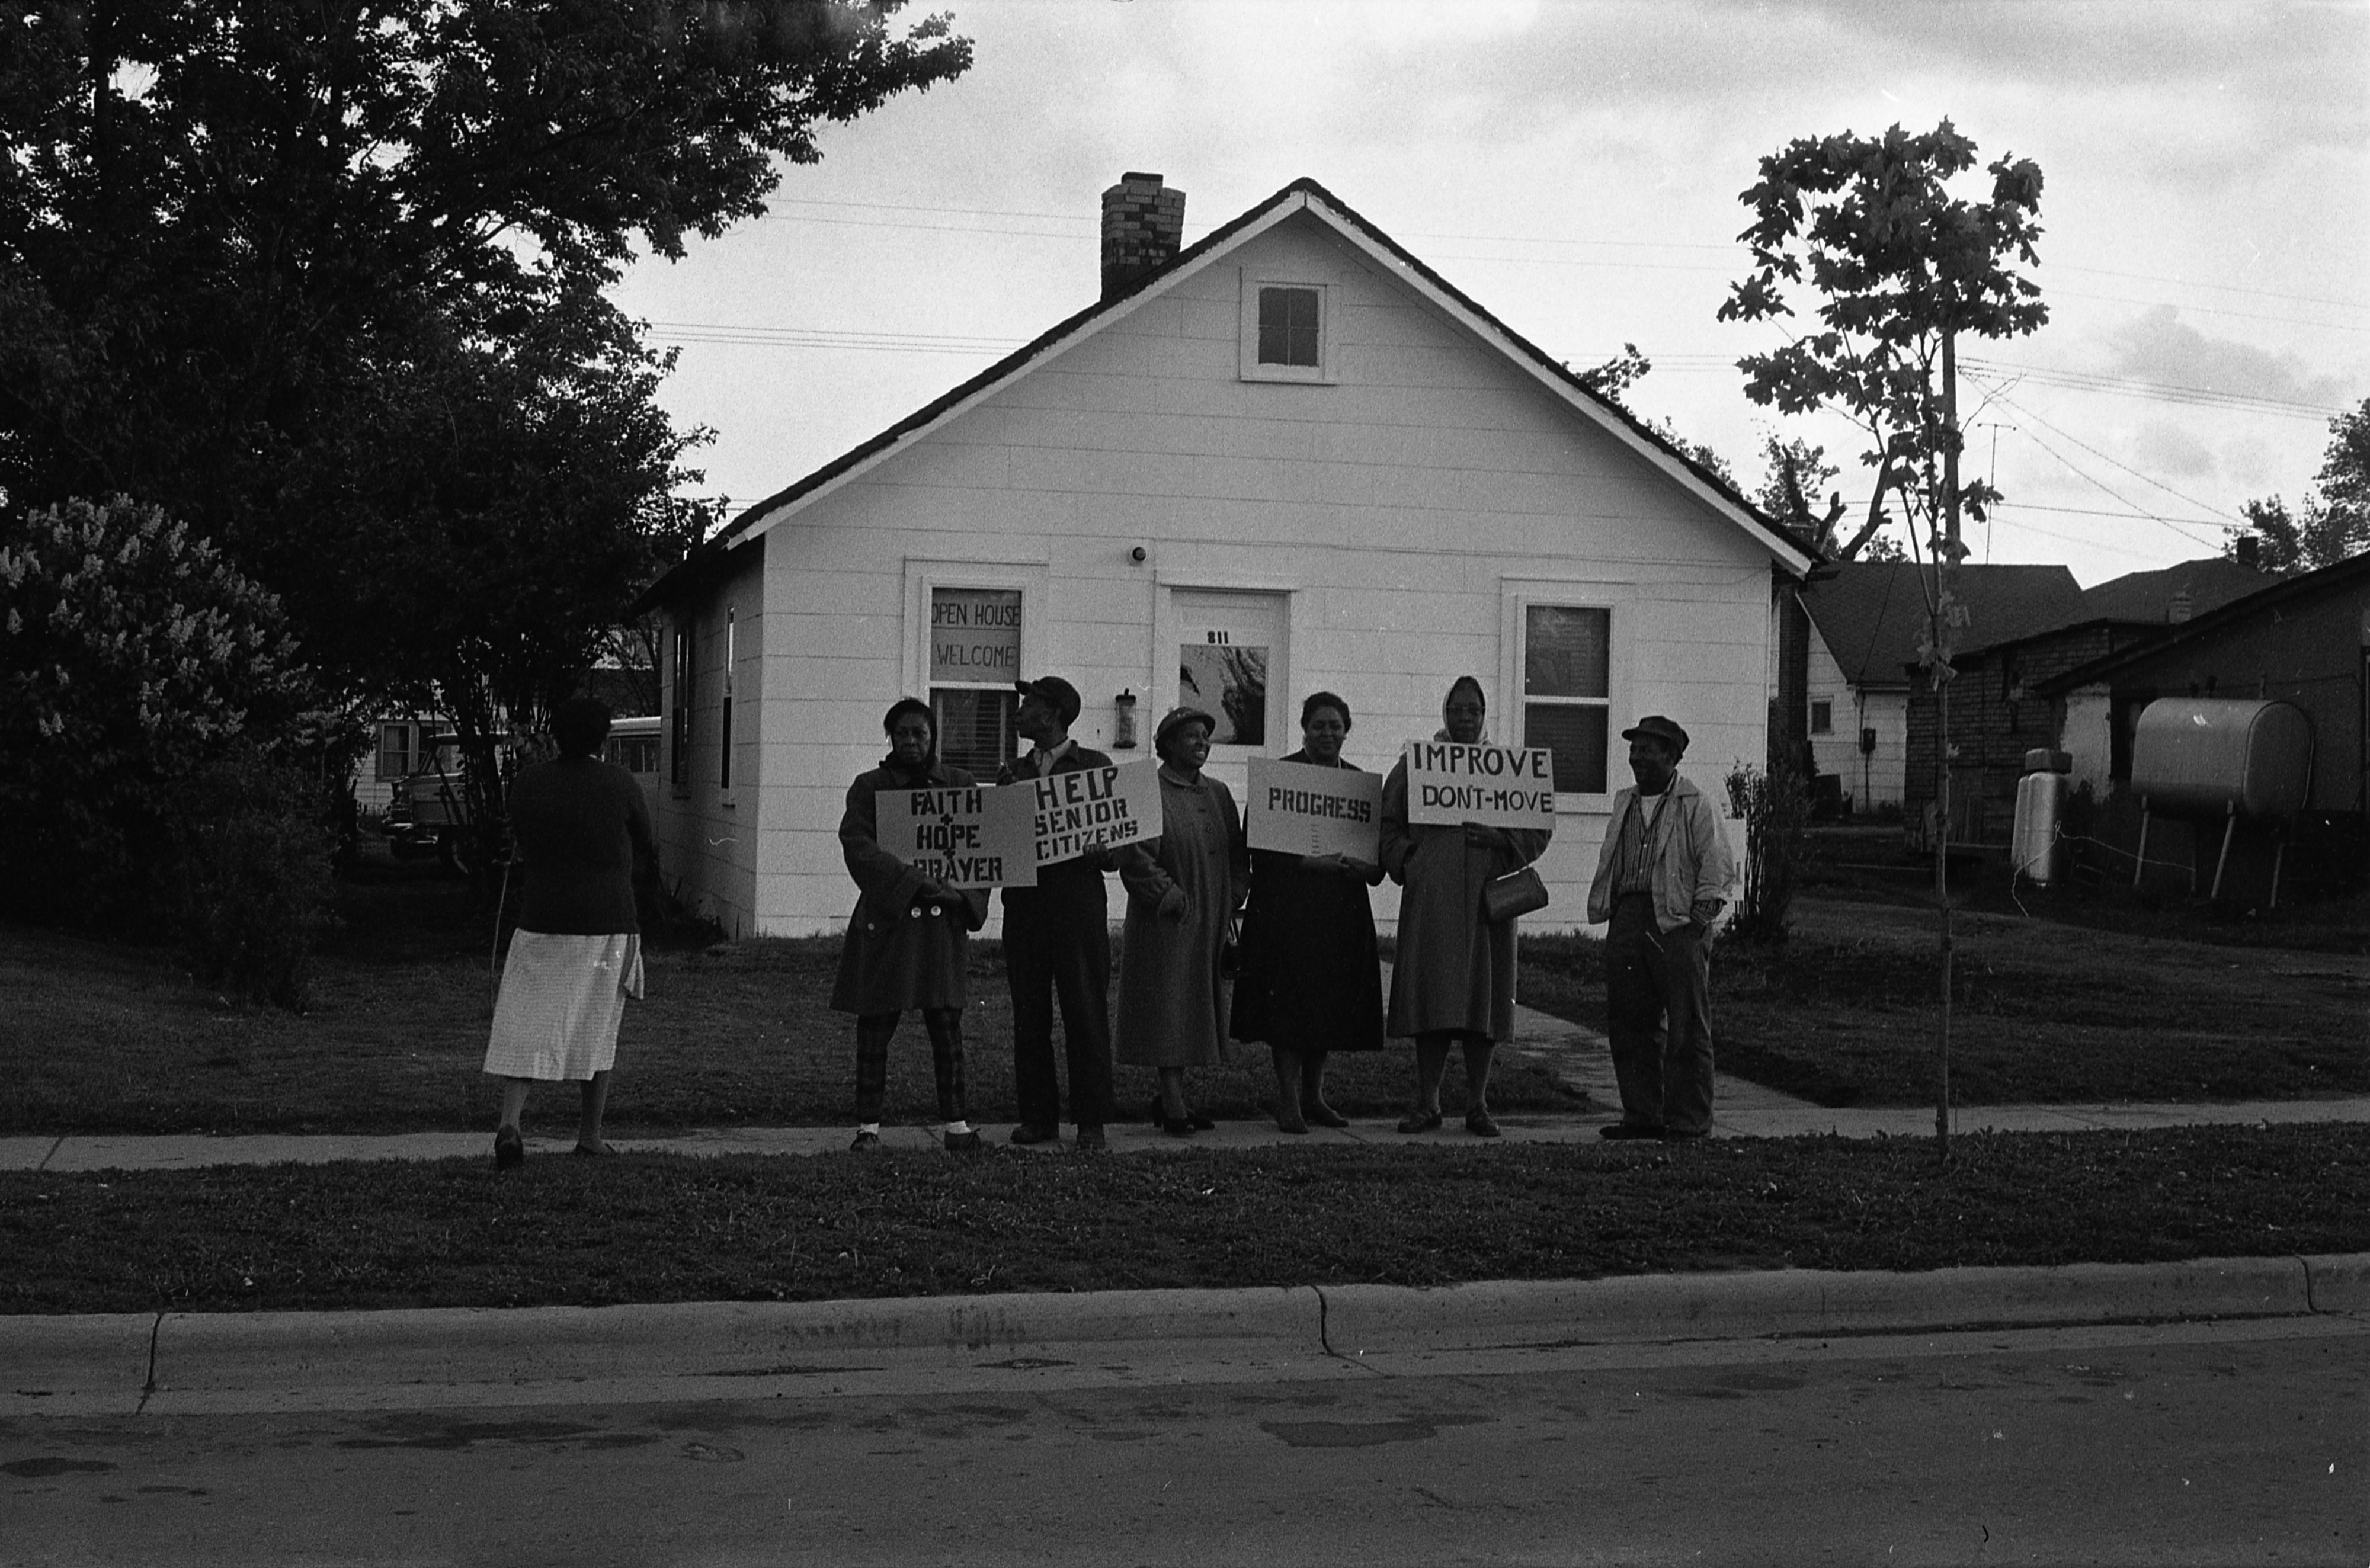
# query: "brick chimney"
[[2181, 609], [2249, 552], [1144, 227]]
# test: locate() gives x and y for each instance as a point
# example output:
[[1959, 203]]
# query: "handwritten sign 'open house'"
[[1496, 786], [975, 635]]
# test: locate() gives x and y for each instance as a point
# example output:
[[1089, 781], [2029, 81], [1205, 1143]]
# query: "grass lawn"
[[103, 1038], [656, 1228], [1845, 1012]]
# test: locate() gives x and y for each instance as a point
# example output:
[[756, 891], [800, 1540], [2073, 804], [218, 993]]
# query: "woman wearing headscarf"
[[582, 830], [1311, 980], [1182, 890], [909, 941], [1454, 978]]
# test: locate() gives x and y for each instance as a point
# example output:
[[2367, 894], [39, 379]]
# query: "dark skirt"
[[1311, 976]]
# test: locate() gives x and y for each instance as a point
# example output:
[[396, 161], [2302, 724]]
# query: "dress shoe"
[[1177, 1127], [593, 1150], [509, 1150], [1091, 1140], [962, 1142], [1419, 1121], [1026, 1134], [1478, 1123], [1681, 1134], [866, 1140], [1324, 1115], [1202, 1123], [1628, 1129]]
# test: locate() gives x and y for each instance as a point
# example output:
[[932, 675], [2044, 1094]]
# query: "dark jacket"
[[899, 953], [582, 829], [1069, 884]]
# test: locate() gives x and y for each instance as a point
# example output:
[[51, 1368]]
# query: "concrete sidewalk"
[[1578, 1056]]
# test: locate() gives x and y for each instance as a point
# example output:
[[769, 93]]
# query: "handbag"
[[1513, 896], [1230, 953]]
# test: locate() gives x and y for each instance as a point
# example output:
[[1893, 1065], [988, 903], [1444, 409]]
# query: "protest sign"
[[1092, 809], [972, 837], [1496, 786], [1300, 809]]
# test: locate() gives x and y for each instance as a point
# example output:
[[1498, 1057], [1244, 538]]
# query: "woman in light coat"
[[1454, 978], [1182, 890]]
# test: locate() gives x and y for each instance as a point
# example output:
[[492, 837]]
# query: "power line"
[[2192, 500]]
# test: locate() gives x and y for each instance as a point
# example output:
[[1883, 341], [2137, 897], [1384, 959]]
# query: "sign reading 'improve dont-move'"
[[1496, 786]]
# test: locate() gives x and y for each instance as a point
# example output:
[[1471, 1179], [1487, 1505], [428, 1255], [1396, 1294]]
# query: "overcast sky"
[[1573, 166]]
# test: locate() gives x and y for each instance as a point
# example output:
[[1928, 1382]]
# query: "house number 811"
[[1219, 636]]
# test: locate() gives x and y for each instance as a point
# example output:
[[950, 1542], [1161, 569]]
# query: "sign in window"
[[974, 659]]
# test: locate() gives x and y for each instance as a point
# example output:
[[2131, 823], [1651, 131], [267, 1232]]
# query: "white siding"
[[1872, 778], [1402, 509]]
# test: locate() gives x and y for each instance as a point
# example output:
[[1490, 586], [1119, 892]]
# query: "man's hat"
[[1056, 693], [1178, 719], [1663, 729]]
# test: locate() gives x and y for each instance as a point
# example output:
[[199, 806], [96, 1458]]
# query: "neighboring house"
[[1291, 457], [1997, 712], [1866, 621], [2304, 640]]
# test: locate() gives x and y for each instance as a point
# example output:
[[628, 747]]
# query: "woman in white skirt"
[[582, 827]]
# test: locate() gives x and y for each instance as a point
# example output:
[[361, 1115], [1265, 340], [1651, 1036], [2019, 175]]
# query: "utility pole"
[[1946, 571]]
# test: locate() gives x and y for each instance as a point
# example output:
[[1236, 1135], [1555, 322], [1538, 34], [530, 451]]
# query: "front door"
[[1232, 664]]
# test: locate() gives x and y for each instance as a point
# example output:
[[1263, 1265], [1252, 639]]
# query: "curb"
[[122, 1361]]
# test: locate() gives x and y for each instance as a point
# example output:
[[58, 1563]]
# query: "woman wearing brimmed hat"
[[1182, 890], [1454, 978]]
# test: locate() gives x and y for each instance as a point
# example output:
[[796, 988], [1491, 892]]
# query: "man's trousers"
[[1658, 996], [1057, 943]]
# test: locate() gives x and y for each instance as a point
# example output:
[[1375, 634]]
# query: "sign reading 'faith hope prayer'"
[[972, 837], [1496, 786], [1093, 809], [1304, 809]]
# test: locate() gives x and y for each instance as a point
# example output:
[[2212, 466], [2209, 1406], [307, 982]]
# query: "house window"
[[635, 753], [679, 740], [1567, 691], [1286, 330], [974, 660], [1287, 326], [724, 721], [1822, 716], [396, 753]]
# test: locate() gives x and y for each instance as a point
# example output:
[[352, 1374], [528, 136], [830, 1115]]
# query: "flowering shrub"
[[133, 656]]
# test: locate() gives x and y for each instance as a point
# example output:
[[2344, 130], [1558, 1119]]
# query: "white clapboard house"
[[1291, 457]]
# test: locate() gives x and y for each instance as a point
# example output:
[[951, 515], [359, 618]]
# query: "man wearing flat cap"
[[1057, 943], [1662, 879]]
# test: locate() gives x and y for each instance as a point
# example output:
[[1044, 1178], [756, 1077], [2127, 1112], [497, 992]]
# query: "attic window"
[[1286, 329]]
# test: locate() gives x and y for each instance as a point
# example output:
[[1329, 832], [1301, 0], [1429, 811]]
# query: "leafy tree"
[[1902, 268], [1616, 375], [325, 282], [2332, 523]]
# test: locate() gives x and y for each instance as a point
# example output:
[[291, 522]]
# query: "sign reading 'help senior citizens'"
[[1495, 786], [1093, 809], [1304, 809], [972, 837]]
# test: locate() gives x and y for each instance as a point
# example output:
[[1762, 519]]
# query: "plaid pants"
[[873, 1032]]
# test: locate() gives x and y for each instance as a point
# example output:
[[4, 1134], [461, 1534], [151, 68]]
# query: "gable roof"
[[1872, 614], [1301, 196], [2354, 572], [2147, 596]]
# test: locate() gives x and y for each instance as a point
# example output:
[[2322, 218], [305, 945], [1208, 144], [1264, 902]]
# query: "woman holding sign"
[[1309, 984], [908, 942], [1182, 890], [1454, 979]]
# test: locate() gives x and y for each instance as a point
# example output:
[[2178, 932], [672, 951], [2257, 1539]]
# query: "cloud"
[[2170, 449], [2157, 346]]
